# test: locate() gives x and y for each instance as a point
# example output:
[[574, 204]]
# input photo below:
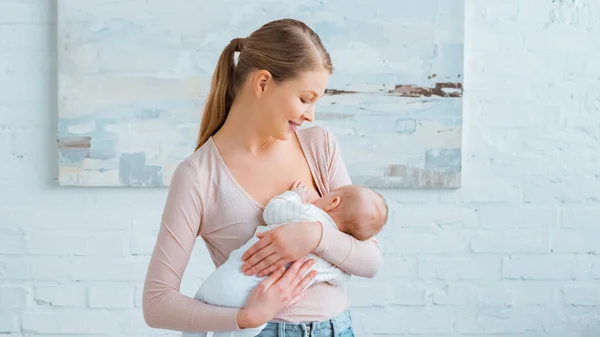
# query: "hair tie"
[[238, 43]]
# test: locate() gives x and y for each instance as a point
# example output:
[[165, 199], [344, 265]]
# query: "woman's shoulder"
[[319, 145], [196, 166], [317, 137], [322, 150]]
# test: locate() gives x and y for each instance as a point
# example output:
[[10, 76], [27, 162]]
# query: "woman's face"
[[290, 103]]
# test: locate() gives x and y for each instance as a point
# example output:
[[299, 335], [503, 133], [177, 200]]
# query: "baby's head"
[[358, 211]]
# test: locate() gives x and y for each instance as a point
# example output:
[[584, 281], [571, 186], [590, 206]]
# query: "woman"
[[249, 150]]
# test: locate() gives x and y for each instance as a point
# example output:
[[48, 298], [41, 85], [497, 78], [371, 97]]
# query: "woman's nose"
[[309, 115]]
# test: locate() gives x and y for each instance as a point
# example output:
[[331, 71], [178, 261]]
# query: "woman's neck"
[[242, 132]]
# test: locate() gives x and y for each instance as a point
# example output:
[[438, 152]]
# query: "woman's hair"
[[285, 48]]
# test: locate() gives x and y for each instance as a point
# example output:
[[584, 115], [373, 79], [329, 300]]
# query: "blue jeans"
[[339, 326]]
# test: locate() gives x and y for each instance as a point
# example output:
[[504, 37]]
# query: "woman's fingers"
[[263, 264], [296, 271], [269, 281], [290, 273], [272, 267], [297, 299], [257, 257], [262, 243], [302, 273], [304, 283]]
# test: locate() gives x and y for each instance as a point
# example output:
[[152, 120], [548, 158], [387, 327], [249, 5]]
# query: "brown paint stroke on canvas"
[[440, 89], [338, 92], [75, 143]]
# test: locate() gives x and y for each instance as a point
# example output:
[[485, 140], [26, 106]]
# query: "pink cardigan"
[[204, 199]]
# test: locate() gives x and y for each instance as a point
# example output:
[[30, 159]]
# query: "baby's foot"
[[301, 190]]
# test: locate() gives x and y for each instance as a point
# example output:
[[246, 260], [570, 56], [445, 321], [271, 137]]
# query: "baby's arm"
[[300, 188], [284, 208]]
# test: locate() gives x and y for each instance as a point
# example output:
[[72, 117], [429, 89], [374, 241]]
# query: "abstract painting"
[[134, 75]]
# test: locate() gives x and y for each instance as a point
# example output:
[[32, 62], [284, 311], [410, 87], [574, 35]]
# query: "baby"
[[355, 210]]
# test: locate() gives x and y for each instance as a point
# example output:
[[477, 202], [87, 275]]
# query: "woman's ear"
[[261, 80], [333, 204]]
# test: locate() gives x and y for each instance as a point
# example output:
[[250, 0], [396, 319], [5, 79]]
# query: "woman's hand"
[[281, 289], [280, 246]]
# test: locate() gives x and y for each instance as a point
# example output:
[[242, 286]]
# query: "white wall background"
[[512, 253]]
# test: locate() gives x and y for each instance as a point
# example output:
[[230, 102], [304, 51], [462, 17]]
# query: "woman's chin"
[[285, 136]]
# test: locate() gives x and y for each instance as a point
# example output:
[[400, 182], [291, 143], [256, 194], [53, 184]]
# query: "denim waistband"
[[332, 327]]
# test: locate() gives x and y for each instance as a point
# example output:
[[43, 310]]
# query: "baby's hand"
[[301, 190]]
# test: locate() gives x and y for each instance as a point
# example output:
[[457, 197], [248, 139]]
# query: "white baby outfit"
[[229, 287]]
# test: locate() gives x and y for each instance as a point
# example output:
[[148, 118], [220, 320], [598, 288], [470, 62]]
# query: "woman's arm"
[[163, 305], [360, 258]]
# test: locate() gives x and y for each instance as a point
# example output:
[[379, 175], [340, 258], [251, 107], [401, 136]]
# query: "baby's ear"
[[333, 203]]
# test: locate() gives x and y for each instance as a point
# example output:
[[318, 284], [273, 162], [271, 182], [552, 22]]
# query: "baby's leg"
[[227, 287]]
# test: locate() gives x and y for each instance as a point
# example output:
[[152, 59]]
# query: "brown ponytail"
[[283, 47], [221, 95]]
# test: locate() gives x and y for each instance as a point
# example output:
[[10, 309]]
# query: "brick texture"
[[511, 253]]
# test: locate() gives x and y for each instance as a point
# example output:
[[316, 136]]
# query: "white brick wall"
[[513, 252]]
